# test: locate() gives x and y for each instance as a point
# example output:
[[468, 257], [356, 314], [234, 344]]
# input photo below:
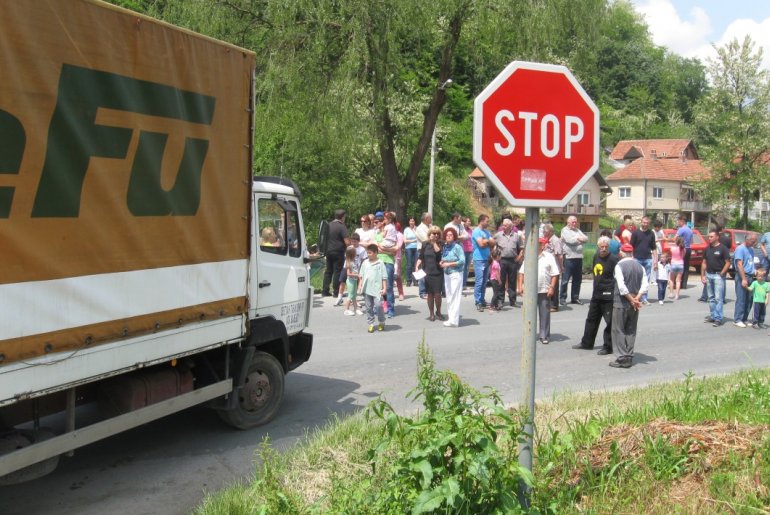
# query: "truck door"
[[282, 281]]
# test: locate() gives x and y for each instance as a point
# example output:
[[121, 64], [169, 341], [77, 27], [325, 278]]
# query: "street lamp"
[[443, 86]]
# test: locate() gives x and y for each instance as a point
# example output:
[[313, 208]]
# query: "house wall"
[[668, 203]]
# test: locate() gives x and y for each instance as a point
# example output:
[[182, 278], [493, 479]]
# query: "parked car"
[[697, 246], [737, 237]]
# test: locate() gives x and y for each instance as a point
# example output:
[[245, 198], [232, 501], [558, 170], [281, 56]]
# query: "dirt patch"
[[707, 445]]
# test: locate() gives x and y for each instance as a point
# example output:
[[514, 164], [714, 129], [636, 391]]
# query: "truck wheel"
[[260, 396]]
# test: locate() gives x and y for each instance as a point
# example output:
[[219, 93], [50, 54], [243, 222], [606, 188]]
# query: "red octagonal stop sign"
[[536, 134]]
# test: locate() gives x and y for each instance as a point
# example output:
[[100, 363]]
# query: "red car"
[[697, 246]]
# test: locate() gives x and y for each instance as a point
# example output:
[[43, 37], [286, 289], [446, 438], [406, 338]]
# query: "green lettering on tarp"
[[146, 197], [12, 142], [74, 137]]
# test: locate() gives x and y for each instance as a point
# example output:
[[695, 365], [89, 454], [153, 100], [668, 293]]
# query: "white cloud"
[[693, 36], [759, 32], [684, 37]]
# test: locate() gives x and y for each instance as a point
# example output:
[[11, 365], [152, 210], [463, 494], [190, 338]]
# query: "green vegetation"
[[348, 93], [697, 446]]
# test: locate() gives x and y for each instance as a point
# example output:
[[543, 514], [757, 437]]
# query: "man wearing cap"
[[630, 284], [602, 299]]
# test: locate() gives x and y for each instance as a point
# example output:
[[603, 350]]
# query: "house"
[[586, 204], [482, 189], [658, 186], [629, 150]]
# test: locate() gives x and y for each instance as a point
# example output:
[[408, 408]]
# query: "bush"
[[458, 456]]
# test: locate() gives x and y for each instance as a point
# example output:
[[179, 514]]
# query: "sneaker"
[[562, 302], [621, 363], [660, 302], [755, 326], [349, 313], [359, 312], [479, 307], [371, 328], [578, 302], [449, 324], [423, 295], [708, 320], [381, 327], [338, 302], [604, 351], [702, 300], [718, 323], [645, 303], [389, 314], [544, 341], [739, 324]]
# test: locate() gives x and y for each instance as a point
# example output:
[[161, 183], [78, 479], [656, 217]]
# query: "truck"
[[145, 269]]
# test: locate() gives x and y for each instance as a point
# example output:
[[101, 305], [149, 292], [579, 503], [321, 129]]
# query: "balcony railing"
[[575, 209], [694, 205]]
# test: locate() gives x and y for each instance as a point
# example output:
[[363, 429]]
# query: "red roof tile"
[[660, 169], [664, 148], [476, 174]]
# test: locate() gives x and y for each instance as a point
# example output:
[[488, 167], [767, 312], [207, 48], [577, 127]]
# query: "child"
[[761, 290], [498, 292], [373, 281], [662, 274], [389, 232], [351, 266]]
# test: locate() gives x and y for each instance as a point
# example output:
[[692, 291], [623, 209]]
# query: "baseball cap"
[[543, 240], [627, 247]]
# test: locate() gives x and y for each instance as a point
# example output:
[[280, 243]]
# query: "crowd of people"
[[367, 265]]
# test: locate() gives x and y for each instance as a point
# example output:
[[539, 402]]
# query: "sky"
[[690, 27]]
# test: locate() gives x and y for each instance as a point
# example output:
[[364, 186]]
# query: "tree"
[[733, 123]]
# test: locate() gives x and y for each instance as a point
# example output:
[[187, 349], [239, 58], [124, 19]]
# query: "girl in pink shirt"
[[677, 267], [498, 293]]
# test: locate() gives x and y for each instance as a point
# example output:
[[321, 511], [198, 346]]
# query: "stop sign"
[[536, 134]]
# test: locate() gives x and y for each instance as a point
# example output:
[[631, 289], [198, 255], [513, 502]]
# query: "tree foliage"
[[348, 91], [733, 123]]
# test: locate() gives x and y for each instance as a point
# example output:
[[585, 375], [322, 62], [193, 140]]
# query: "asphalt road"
[[166, 467]]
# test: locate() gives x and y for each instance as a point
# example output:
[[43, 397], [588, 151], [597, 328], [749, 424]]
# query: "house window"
[[657, 192], [583, 198], [587, 227], [624, 192]]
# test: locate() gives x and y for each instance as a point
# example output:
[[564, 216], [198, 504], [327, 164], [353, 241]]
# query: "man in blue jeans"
[[716, 261], [744, 268], [481, 242], [645, 250]]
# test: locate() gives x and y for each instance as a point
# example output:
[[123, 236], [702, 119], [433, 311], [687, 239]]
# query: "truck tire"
[[260, 396]]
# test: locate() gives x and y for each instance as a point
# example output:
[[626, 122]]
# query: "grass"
[[701, 445]]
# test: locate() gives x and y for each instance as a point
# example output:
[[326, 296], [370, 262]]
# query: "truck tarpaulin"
[[124, 176]]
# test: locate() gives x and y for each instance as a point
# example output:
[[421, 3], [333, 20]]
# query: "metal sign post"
[[528, 345]]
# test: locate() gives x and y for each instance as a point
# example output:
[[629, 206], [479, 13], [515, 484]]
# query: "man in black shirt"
[[335, 253], [601, 300], [712, 273], [645, 250]]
